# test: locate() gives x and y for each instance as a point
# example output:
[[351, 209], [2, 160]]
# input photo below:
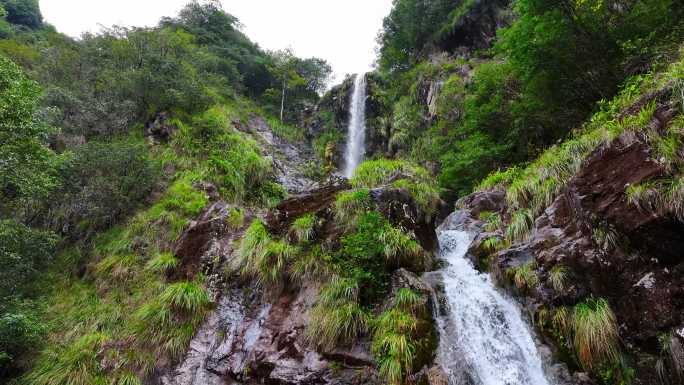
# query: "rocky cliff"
[[611, 233]]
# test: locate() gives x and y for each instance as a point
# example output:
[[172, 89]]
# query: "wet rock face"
[[313, 201]]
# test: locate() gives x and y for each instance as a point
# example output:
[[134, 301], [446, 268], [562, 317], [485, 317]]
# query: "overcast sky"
[[342, 32]]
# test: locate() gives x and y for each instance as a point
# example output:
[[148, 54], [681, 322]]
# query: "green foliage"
[[102, 182], [350, 205], [303, 228], [396, 335], [163, 262], [498, 178], [362, 256], [23, 12], [520, 225], [402, 250], [26, 164], [185, 297], [524, 277], [314, 265], [492, 221], [24, 252], [595, 333], [337, 319], [401, 174]]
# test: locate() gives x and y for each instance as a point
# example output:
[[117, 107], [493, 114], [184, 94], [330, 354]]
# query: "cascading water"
[[484, 339], [356, 137]]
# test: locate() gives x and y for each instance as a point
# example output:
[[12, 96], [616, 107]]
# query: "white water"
[[484, 339], [356, 136]]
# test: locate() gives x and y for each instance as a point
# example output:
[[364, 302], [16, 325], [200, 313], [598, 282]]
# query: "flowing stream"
[[356, 136], [484, 339]]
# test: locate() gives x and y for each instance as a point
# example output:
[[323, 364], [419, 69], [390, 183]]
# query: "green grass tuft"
[[303, 228], [520, 226], [337, 319], [186, 297], [558, 277], [163, 262], [595, 333], [351, 204], [400, 249], [524, 276]]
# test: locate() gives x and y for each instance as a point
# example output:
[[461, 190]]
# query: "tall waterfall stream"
[[356, 136], [484, 339]]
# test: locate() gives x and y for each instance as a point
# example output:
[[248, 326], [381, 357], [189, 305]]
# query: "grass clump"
[[558, 277], [520, 225], [595, 333], [400, 174], [524, 277], [337, 319], [351, 204], [400, 249], [492, 221], [186, 297], [314, 265], [498, 179], [163, 262], [264, 259], [396, 336], [303, 228]]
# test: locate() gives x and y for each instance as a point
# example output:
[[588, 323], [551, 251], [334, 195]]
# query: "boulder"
[[160, 129]]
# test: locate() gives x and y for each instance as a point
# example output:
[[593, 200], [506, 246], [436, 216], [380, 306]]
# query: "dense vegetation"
[[501, 102], [467, 95], [87, 202]]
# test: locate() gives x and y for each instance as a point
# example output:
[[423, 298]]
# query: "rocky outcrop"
[[160, 129], [611, 249], [474, 24]]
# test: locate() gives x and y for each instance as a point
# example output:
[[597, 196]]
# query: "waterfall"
[[484, 339], [356, 136]]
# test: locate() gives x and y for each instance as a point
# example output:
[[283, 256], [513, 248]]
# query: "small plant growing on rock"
[[520, 226], [350, 205], [492, 221], [337, 319], [303, 228], [524, 276], [400, 249], [558, 278], [595, 333]]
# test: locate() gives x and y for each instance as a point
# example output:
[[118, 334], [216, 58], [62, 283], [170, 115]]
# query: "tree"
[[23, 12], [26, 164], [284, 68]]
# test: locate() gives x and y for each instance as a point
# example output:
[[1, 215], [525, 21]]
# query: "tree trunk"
[[282, 103]]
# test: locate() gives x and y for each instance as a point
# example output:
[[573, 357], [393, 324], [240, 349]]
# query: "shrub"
[[102, 183], [337, 319], [595, 333]]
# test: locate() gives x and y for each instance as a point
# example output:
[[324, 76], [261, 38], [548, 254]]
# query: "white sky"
[[342, 32]]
